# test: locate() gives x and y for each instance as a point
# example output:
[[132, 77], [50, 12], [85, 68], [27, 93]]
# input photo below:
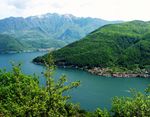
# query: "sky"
[[126, 10]]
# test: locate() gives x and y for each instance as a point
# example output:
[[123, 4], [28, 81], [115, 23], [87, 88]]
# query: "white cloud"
[[19, 4], [105, 9]]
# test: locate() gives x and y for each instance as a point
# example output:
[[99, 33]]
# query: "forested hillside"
[[124, 45]]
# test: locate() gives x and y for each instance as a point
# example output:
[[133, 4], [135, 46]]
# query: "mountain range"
[[47, 31]]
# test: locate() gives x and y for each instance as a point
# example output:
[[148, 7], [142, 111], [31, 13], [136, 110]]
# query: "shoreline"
[[105, 72], [28, 51]]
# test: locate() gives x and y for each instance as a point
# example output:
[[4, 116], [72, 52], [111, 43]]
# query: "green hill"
[[9, 43], [36, 39], [124, 45]]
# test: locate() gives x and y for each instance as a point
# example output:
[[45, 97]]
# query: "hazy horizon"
[[125, 10]]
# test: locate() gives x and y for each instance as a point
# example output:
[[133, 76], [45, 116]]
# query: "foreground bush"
[[136, 106], [21, 95]]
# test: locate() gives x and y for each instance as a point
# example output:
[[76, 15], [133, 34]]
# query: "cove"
[[94, 91]]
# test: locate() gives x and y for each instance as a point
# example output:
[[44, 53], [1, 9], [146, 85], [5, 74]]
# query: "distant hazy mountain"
[[49, 30]]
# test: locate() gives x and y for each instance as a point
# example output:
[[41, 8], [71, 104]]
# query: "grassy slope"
[[38, 39], [8, 43]]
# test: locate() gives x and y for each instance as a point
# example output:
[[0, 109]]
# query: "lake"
[[94, 91]]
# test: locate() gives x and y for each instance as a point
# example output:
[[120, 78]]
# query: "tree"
[[21, 95]]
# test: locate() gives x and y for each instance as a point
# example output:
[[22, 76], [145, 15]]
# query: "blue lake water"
[[94, 91]]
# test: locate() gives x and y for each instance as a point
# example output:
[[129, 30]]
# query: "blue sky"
[[104, 9]]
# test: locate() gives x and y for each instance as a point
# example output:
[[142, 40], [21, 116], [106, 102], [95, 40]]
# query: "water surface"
[[94, 91]]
